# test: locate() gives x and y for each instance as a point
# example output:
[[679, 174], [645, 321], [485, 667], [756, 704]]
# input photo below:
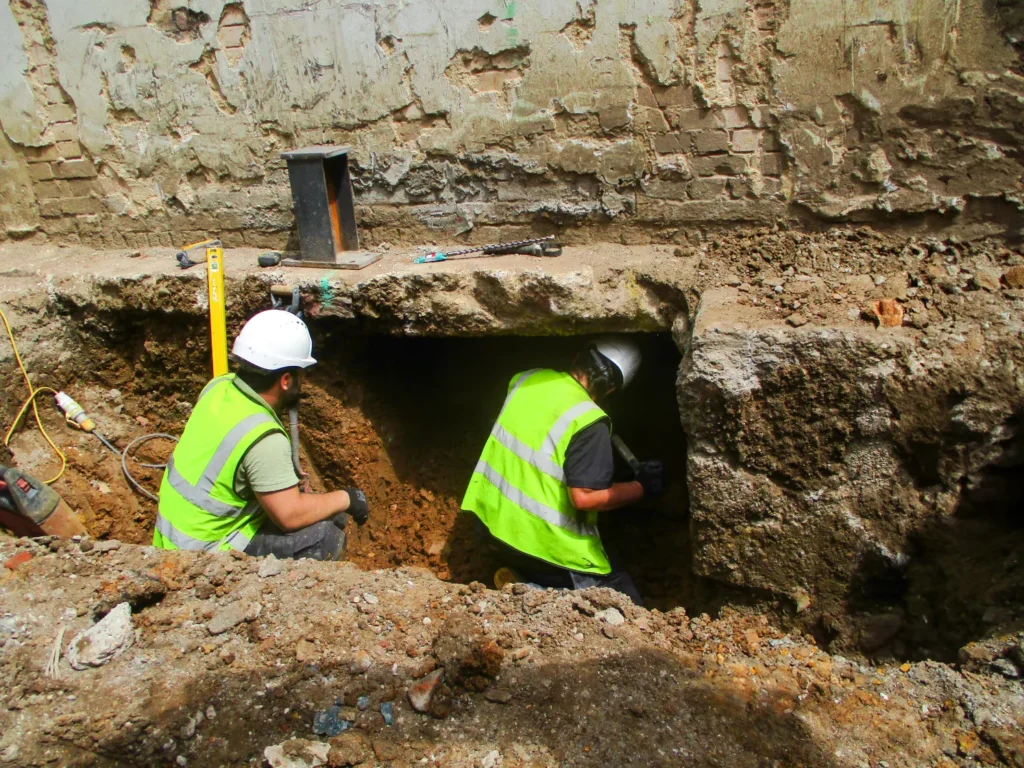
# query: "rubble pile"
[[244, 661]]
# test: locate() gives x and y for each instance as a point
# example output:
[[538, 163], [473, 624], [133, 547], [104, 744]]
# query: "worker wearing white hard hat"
[[231, 482], [547, 472]]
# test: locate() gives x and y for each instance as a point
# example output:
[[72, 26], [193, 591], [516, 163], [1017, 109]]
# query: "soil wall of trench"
[[859, 481]]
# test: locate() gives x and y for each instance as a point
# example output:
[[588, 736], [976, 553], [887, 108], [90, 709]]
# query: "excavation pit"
[[403, 418]]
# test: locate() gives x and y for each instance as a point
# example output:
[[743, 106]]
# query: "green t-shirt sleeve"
[[267, 467]]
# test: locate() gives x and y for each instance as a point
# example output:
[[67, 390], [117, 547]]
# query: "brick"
[[74, 169], [675, 96], [64, 131], [231, 37], [771, 164], [614, 117], [69, 150], [746, 140], [771, 142], [667, 144], [82, 187], [40, 171], [719, 165], [652, 118], [736, 117], [41, 154], [70, 206], [706, 142], [724, 70], [665, 189], [739, 187], [54, 95], [694, 120], [13, 563], [705, 189], [48, 190], [61, 113]]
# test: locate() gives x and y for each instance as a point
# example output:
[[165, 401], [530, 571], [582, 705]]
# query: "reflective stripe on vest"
[[205, 513], [199, 494], [518, 489], [236, 540]]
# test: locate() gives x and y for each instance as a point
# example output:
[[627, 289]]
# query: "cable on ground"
[[124, 461], [33, 394]]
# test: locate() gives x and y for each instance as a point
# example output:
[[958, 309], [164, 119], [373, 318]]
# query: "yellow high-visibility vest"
[[198, 506], [518, 488]]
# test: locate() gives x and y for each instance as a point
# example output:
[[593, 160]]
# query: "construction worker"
[[546, 472], [230, 483]]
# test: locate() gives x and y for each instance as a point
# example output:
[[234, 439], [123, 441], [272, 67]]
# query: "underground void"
[[405, 419]]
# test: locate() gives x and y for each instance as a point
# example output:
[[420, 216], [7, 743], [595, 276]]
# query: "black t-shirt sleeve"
[[588, 458]]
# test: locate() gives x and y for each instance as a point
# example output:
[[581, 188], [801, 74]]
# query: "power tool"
[[29, 507]]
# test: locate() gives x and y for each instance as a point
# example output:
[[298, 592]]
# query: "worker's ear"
[[287, 381]]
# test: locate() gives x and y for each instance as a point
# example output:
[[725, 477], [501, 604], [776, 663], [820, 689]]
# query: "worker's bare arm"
[[291, 510], [618, 496]]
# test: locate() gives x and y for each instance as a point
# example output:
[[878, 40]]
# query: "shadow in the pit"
[[963, 579], [642, 707]]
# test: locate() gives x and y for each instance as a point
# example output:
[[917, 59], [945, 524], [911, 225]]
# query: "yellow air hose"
[[33, 394]]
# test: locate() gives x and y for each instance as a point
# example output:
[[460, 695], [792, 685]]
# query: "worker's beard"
[[290, 398]]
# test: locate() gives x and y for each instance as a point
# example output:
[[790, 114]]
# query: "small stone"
[[270, 566], [731, 280], [13, 563], [521, 653], [1014, 277], [1006, 668], [228, 618], [387, 711], [361, 662], [611, 616], [107, 546], [879, 279], [612, 633], [422, 691], [304, 651], [297, 753], [227, 656], [498, 695], [796, 320], [181, 760], [491, 760], [888, 313], [370, 598], [86, 545]]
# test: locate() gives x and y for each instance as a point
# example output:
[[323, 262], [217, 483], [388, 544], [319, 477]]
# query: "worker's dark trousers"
[[545, 574], [321, 541]]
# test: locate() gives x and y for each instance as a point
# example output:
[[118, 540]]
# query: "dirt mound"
[[231, 657]]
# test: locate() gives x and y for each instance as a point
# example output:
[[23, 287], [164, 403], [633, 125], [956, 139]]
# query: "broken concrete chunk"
[[104, 640], [270, 566], [233, 615], [611, 616], [422, 691], [297, 753]]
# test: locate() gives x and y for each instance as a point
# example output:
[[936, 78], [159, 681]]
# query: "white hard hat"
[[623, 353], [274, 339]]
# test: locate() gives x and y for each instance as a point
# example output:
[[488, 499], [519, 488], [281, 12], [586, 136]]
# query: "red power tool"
[[29, 507]]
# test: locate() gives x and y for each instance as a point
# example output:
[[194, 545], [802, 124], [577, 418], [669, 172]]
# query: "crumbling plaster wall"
[[151, 122]]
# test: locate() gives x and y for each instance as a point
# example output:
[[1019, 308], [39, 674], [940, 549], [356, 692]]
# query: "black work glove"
[[651, 476], [358, 508]]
